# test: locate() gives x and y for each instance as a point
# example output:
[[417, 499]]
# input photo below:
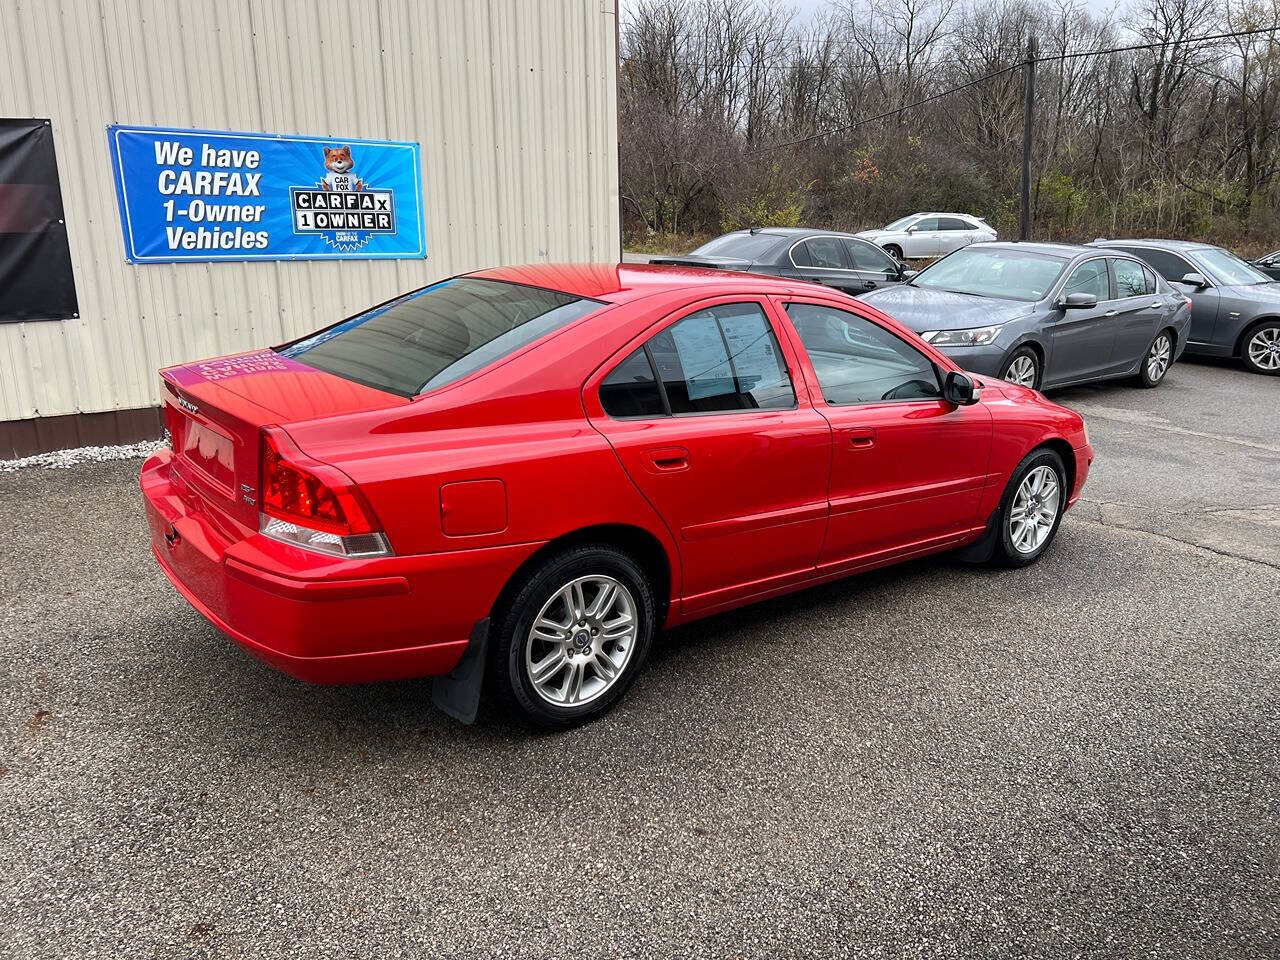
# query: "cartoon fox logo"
[[340, 175]]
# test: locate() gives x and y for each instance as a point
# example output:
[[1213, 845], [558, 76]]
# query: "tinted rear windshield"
[[438, 334], [744, 246]]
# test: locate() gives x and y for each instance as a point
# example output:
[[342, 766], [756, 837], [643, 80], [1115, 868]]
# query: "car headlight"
[[974, 337]]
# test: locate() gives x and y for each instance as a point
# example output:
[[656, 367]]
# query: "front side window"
[[438, 334], [858, 361], [1005, 273], [720, 359], [1131, 279], [927, 224], [867, 256], [825, 252], [1090, 277]]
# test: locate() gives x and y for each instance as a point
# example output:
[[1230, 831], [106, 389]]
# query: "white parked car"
[[929, 234]]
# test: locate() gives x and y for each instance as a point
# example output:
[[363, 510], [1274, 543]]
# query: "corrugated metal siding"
[[513, 102]]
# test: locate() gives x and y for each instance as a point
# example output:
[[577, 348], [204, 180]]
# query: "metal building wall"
[[513, 102]]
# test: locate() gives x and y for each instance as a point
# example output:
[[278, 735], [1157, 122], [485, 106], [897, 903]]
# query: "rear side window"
[[1168, 265], [1131, 279], [632, 390], [439, 334], [826, 252], [721, 359], [954, 223]]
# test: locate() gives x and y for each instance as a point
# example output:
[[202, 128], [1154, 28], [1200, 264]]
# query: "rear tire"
[[1261, 348], [1023, 368], [1031, 510], [1157, 360], [572, 637], [893, 250]]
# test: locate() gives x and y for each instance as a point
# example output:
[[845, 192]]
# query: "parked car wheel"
[[1030, 510], [573, 636], [1023, 368], [893, 250], [1261, 351], [1157, 360]]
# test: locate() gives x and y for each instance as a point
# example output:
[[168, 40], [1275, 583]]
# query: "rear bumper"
[[317, 618]]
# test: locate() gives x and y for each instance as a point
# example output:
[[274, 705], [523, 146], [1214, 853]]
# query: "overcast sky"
[[807, 9]]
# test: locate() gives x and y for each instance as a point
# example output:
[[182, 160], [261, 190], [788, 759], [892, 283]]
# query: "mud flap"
[[458, 692]]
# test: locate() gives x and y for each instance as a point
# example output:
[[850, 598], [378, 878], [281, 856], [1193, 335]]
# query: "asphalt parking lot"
[[1078, 759]]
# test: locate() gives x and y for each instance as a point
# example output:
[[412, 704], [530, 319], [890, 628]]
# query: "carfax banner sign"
[[199, 195]]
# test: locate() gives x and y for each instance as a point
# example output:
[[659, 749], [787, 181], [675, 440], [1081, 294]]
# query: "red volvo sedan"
[[514, 478]]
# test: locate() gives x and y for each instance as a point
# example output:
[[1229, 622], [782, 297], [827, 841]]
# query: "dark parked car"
[[1044, 314], [1235, 307], [838, 260], [1270, 264]]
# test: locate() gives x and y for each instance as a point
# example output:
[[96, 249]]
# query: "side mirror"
[[1079, 301], [912, 229], [959, 389], [1196, 280], [904, 274], [1267, 262]]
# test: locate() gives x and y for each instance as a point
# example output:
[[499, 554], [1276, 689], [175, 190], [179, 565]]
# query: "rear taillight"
[[314, 505]]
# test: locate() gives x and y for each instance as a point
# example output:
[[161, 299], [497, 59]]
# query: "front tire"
[[1157, 360], [1261, 351], [893, 250], [1023, 368], [573, 636], [1031, 510]]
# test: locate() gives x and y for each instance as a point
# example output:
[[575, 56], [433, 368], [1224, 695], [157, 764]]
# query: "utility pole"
[[1024, 232]]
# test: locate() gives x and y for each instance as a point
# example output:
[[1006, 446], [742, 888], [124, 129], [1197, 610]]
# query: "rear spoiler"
[[705, 263]]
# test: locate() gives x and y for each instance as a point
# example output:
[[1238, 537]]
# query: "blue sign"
[[198, 195]]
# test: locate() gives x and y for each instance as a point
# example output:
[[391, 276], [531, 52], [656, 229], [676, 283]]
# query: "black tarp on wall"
[[35, 262]]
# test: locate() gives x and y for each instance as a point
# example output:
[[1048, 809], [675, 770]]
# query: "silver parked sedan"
[[1045, 314]]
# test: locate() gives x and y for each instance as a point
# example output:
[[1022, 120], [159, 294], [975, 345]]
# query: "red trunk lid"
[[214, 409]]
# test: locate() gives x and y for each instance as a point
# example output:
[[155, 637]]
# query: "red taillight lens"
[[317, 496]]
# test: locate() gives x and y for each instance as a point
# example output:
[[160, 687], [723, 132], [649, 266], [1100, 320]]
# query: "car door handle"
[[1157, 305], [667, 459], [868, 284], [862, 438], [1112, 313]]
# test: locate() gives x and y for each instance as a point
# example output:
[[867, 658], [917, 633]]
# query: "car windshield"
[[903, 223], [744, 246], [1001, 273], [1227, 268], [438, 334]]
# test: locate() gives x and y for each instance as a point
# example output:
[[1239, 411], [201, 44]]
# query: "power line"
[[990, 76]]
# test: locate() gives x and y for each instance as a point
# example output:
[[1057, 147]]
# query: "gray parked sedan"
[[1235, 307], [1044, 314]]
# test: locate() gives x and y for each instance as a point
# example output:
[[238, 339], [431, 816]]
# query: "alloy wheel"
[[1264, 348], [581, 641], [1035, 510], [1022, 371], [1159, 357]]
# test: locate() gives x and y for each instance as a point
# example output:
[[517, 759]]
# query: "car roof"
[[1064, 250], [624, 282], [792, 232], [1187, 245]]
